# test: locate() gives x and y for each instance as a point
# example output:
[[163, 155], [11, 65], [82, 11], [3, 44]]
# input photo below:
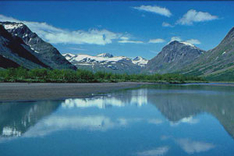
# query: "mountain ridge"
[[13, 48], [173, 57], [44, 51], [217, 61], [19, 46], [107, 62]]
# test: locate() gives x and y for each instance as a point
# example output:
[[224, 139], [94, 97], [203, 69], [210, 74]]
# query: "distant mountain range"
[[19, 46], [107, 62]]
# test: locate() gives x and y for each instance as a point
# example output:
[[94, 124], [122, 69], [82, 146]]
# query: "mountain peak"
[[137, 58], [180, 43], [107, 55], [12, 25], [68, 56], [229, 38], [173, 57], [173, 42], [140, 61]]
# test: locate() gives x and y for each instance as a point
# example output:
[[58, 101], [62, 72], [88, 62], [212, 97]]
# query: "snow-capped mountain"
[[108, 55], [107, 62], [140, 61], [47, 55], [14, 52]]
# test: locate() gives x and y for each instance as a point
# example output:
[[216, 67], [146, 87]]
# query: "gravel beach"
[[49, 91]]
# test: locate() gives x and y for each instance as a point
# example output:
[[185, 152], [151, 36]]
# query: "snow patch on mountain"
[[108, 55], [107, 62], [140, 61], [12, 26], [98, 59], [188, 44], [184, 43], [68, 56], [104, 58]]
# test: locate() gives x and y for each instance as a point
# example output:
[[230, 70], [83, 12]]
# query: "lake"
[[154, 120]]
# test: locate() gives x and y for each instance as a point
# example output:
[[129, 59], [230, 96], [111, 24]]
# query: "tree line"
[[84, 76]]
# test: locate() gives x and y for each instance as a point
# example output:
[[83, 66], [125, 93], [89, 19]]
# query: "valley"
[[19, 46]]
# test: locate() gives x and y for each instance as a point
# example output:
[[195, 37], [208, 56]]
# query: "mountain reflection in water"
[[156, 120]]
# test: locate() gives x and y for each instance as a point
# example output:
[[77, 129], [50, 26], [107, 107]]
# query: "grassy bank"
[[81, 76]]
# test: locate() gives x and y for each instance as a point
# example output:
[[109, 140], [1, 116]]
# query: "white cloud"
[[93, 36], [160, 151], [165, 24], [59, 123], [130, 41], [77, 49], [158, 40], [105, 102], [154, 9], [126, 39], [186, 120], [193, 41], [190, 41], [189, 120], [155, 121], [176, 38], [192, 147], [195, 16], [57, 35]]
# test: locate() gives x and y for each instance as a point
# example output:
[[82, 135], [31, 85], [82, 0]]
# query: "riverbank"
[[51, 91], [222, 84]]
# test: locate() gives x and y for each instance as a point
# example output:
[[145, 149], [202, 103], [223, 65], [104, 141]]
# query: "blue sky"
[[130, 28]]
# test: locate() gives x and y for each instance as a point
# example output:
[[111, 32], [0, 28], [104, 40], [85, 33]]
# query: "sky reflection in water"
[[153, 121]]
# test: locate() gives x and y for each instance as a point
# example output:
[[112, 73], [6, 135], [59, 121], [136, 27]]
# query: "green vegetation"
[[45, 75], [224, 76]]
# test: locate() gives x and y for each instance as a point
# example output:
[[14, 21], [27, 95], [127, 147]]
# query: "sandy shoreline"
[[49, 91]]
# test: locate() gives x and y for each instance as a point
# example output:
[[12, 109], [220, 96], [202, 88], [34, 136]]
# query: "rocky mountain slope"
[[19, 46], [14, 52], [217, 63], [174, 57], [107, 62], [7, 63], [42, 50]]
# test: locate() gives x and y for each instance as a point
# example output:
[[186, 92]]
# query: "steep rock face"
[[7, 63], [107, 62], [218, 61], [13, 49], [44, 51], [173, 57]]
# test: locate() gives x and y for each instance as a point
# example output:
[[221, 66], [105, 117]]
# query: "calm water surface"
[[152, 121]]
